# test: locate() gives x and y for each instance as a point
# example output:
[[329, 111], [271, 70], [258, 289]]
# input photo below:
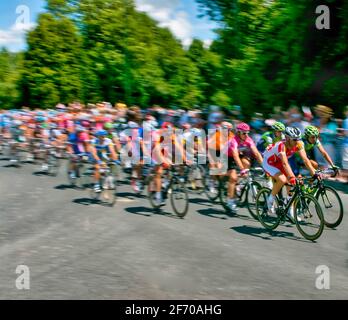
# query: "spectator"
[[328, 133]]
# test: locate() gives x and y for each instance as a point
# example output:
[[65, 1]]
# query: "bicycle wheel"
[[72, 181], [251, 194], [151, 193], [308, 217], [211, 187], [195, 180], [53, 165], [179, 198], [270, 219], [95, 196], [223, 193], [108, 195], [81, 173], [86, 179], [331, 205]]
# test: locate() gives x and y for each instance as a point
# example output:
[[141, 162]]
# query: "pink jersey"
[[232, 145], [83, 137], [245, 147]]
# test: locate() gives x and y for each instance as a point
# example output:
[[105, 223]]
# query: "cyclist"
[[78, 146], [112, 135], [233, 161], [271, 137], [311, 141], [244, 146], [18, 136], [276, 164], [102, 149]]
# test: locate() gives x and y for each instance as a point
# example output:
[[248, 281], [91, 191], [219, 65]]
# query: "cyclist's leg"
[[246, 162]]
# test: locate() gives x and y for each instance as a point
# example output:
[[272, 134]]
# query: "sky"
[[180, 16]]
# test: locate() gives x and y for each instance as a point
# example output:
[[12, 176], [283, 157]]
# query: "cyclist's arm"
[[236, 158], [112, 152], [306, 161], [326, 155], [257, 154], [94, 153]]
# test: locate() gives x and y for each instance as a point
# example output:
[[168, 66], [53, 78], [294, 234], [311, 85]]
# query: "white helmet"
[[293, 132]]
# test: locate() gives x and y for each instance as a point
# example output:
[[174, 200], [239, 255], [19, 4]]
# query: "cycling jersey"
[[102, 148], [77, 141], [272, 162], [309, 146], [17, 134], [266, 139], [245, 146]]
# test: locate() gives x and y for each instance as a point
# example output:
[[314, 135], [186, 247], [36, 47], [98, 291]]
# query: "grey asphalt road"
[[75, 249]]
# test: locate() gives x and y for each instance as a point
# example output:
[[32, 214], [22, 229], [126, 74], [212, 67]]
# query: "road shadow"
[[65, 187], [130, 195], [85, 201], [214, 213], [123, 182], [12, 165], [146, 211], [245, 217], [265, 234], [40, 173], [142, 211], [202, 201]]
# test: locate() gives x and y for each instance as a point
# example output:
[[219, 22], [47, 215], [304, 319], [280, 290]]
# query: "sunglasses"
[[244, 133]]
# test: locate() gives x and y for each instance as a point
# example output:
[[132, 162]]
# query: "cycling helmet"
[[40, 119], [227, 125], [311, 131], [80, 128], [166, 125], [216, 117], [85, 124], [101, 133], [17, 123], [278, 126], [243, 127], [108, 125], [293, 133]]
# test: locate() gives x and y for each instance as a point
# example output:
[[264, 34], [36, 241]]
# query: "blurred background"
[[256, 54]]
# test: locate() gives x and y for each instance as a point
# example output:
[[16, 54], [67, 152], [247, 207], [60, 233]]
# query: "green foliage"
[[274, 55], [267, 53], [10, 71], [105, 50]]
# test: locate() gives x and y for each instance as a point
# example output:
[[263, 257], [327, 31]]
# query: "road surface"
[[75, 249]]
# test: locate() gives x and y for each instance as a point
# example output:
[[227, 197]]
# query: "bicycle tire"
[[223, 189], [252, 205], [179, 187], [53, 165], [213, 197], [262, 210], [108, 194], [151, 193], [305, 200], [324, 210], [198, 187]]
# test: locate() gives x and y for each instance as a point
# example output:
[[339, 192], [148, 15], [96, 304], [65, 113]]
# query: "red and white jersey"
[[273, 151]]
